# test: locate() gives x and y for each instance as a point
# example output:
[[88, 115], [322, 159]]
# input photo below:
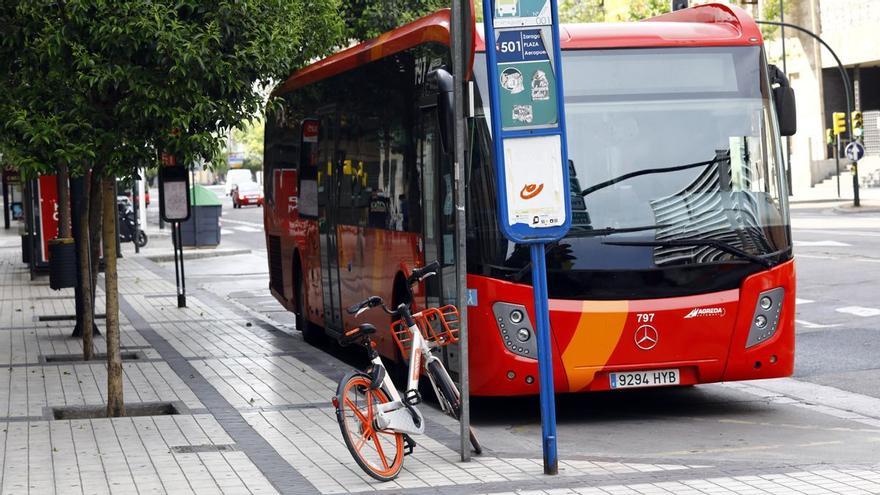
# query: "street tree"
[[581, 10], [365, 19], [107, 86], [251, 137], [643, 9]]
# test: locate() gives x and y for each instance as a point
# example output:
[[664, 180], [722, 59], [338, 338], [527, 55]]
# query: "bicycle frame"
[[398, 415]]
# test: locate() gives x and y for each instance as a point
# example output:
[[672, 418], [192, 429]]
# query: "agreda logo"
[[697, 312]]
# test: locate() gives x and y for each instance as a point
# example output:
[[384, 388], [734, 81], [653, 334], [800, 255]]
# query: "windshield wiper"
[[715, 243], [602, 185], [611, 230]]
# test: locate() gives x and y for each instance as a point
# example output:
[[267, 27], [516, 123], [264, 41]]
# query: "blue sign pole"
[[523, 59], [545, 360]]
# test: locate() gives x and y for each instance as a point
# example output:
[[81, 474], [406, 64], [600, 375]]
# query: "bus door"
[[438, 209], [328, 219]]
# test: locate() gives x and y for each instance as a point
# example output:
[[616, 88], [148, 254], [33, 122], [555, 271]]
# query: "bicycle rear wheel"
[[378, 452], [450, 393]]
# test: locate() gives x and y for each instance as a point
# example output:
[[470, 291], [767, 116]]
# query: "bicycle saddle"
[[354, 334]]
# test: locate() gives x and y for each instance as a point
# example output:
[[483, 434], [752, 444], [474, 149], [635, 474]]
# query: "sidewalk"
[[254, 414]]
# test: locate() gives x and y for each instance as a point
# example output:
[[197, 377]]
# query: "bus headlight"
[[516, 316], [516, 329], [766, 316]]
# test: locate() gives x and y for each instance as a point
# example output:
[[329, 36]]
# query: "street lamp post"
[[846, 91]]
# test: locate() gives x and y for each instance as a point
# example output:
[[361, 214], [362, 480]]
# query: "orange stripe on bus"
[[595, 338]]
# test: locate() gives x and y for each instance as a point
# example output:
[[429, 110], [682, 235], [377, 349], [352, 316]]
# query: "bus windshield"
[[675, 175]]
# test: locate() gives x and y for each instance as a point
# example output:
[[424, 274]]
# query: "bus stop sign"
[[531, 166], [528, 119]]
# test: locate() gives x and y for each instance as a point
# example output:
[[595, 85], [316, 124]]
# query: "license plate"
[[651, 378]]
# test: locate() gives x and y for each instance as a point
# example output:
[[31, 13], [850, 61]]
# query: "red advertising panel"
[[310, 131], [47, 193]]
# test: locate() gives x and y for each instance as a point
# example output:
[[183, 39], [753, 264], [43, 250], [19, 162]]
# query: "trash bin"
[[203, 227], [62, 263]]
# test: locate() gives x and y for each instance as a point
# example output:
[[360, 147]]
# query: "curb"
[[196, 255], [815, 201], [849, 209]]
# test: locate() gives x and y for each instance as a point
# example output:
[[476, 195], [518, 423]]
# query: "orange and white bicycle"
[[375, 420]]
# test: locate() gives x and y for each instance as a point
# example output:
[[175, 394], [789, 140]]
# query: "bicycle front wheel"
[[378, 452]]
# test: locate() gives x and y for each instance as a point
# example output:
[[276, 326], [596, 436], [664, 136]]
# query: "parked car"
[[127, 192], [247, 193], [146, 197], [237, 176]]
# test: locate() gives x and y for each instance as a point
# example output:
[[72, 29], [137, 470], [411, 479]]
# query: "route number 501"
[[510, 46], [645, 317]]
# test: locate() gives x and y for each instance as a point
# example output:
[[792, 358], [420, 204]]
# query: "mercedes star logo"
[[646, 337]]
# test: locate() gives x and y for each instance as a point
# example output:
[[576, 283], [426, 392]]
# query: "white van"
[[237, 176]]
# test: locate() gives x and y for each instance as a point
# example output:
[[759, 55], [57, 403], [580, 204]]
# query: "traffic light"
[[839, 123], [857, 123], [829, 137]]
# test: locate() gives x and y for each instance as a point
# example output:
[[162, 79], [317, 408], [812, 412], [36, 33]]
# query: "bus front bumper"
[[702, 339]]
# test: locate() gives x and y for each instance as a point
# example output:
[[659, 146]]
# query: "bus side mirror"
[[783, 100], [786, 110], [445, 105]]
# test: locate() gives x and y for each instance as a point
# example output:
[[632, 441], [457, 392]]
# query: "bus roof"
[[702, 25]]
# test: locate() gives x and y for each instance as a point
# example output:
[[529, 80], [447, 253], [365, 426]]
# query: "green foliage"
[[643, 9], [581, 10], [366, 19], [251, 136], [771, 12], [110, 83]]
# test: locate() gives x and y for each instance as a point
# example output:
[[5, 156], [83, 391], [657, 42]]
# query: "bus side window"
[[307, 201]]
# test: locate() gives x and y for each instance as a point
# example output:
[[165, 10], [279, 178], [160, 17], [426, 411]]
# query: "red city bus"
[[678, 268]]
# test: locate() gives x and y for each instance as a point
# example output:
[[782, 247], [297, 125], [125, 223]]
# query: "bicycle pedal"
[[408, 444], [412, 397]]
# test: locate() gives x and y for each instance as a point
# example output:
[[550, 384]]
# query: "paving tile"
[[248, 382], [217, 338]]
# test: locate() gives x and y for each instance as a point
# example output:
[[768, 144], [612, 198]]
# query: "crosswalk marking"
[[809, 324], [243, 222], [859, 311], [245, 228], [798, 300], [821, 244]]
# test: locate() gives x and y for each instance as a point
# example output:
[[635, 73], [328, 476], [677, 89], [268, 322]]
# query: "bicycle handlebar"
[[419, 274], [416, 276], [366, 304]]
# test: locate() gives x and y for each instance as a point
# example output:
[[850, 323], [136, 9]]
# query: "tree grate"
[[131, 410], [201, 449], [97, 357]]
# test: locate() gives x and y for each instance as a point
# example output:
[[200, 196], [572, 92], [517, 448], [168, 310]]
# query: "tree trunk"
[[115, 404], [63, 202], [96, 210], [85, 267]]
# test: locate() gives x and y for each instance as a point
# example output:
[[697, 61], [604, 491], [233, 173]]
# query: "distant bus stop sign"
[[173, 190]]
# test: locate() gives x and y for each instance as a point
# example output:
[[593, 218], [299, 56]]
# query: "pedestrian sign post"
[[528, 125]]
